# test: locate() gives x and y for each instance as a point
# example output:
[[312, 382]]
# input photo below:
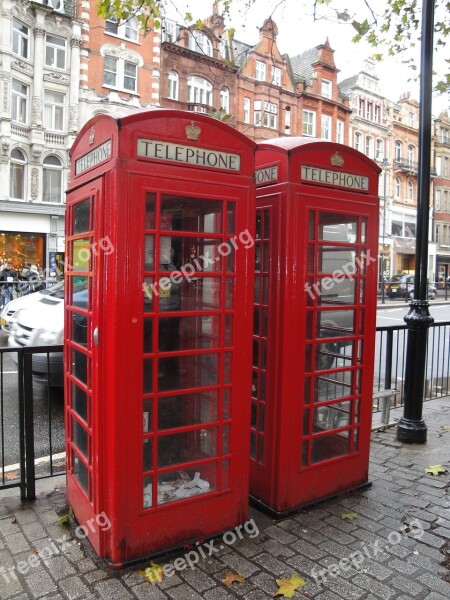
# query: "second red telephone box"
[[314, 321], [157, 333]]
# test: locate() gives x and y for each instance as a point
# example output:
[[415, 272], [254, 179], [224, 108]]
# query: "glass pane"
[[80, 472], [196, 255], [226, 404], [189, 409], [150, 200], [148, 335], [229, 294], [80, 292], [332, 323], [148, 289], [201, 293], [147, 454], [333, 386], [193, 214], [312, 225], [81, 254], [80, 437], [149, 243], [334, 290], [187, 483], [148, 375], [337, 227], [79, 365], [336, 261], [330, 446], [190, 371], [332, 417], [148, 492], [231, 209], [80, 329], [187, 446], [189, 333], [228, 338], [306, 430], [79, 402], [81, 217], [225, 474], [147, 423]]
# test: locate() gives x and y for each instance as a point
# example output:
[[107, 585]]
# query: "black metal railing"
[[31, 420]]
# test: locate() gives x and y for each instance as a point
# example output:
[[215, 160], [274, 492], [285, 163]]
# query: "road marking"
[[10, 372]]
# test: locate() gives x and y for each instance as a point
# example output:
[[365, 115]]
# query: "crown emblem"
[[91, 136], [193, 131], [337, 160]]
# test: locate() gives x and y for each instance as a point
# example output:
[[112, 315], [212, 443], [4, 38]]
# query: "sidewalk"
[[365, 558]]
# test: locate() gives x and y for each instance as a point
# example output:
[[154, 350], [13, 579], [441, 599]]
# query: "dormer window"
[[199, 42], [326, 88]]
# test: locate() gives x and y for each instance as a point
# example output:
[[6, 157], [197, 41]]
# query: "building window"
[[340, 132], [326, 127], [260, 71], [379, 153], [358, 138], [437, 200], [223, 49], [270, 116], [445, 172], [169, 31], [361, 108], [19, 102], [410, 192], [257, 116], [54, 110], [247, 104], [326, 88], [369, 146], [17, 175], [309, 123], [225, 99], [199, 42], [21, 40], [411, 119], [55, 52], [287, 120], [128, 29], [369, 111], [376, 114], [444, 137], [120, 74], [398, 187], [52, 180], [410, 155], [174, 85], [276, 75], [199, 91], [398, 151]]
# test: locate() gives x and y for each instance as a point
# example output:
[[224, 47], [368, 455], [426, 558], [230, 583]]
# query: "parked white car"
[[9, 310]]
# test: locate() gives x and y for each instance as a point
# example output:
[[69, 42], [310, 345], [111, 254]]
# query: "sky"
[[298, 31]]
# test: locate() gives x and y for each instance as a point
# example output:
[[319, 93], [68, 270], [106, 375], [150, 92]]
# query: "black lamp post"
[[411, 427]]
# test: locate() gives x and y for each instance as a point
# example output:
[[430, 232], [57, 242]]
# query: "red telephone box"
[[157, 330], [314, 321]]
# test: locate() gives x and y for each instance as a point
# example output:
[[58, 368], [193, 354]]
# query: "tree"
[[396, 31]]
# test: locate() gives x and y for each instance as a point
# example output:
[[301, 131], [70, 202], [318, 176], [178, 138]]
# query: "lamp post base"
[[411, 432]]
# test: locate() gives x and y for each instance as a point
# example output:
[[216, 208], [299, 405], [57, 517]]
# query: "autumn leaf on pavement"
[[436, 470], [231, 577], [349, 516], [287, 587], [153, 573], [445, 427]]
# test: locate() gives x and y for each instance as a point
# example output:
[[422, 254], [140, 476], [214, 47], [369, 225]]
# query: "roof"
[[302, 64], [240, 52]]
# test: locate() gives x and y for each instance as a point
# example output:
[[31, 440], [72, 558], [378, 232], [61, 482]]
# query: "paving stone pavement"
[[397, 548]]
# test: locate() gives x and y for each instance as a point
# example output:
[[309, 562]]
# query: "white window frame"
[[21, 40], [437, 200], [169, 31], [200, 42], [309, 123], [325, 127], [276, 75], [398, 148], [410, 119], [360, 107], [339, 131], [327, 88], [18, 167], [376, 113], [270, 115], [127, 30], [247, 108], [55, 52], [357, 140], [411, 154], [379, 152], [173, 91], [287, 120], [260, 70], [19, 101], [257, 113], [120, 74], [225, 99], [369, 146], [51, 172], [397, 187], [199, 91], [410, 190], [369, 111], [54, 105]]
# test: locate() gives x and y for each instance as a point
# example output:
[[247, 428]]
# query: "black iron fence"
[[32, 412], [31, 419]]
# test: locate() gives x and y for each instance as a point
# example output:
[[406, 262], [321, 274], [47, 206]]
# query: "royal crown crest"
[[193, 131], [337, 160], [91, 136]]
